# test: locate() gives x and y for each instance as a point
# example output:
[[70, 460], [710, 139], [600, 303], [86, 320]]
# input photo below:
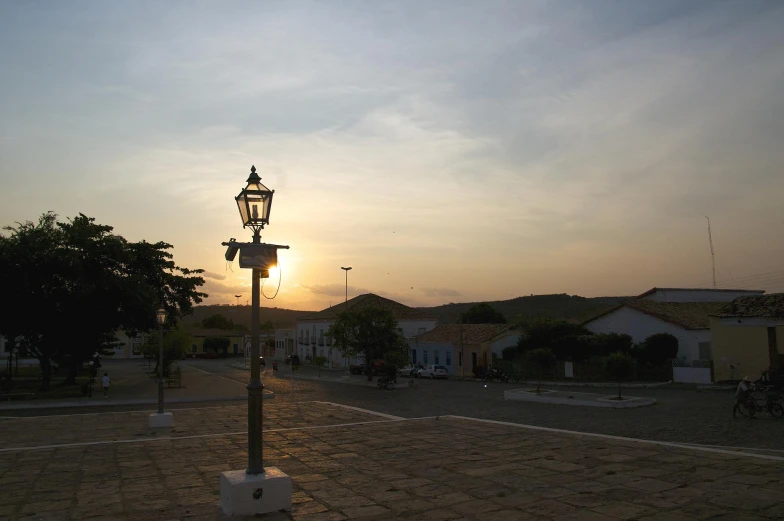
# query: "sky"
[[449, 151]]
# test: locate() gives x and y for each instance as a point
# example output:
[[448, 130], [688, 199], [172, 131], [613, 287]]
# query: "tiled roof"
[[368, 300], [688, 315], [768, 306], [472, 333], [654, 290]]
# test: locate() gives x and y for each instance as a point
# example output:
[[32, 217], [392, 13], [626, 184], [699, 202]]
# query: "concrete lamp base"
[[243, 494], [161, 420]]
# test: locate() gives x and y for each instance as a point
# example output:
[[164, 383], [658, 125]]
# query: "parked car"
[[433, 371], [292, 360], [410, 370]]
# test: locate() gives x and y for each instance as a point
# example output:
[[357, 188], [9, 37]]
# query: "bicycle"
[[770, 402]]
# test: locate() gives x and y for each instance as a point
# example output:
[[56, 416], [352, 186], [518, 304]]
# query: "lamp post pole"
[[346, 270], [255, 387], [161, 319]]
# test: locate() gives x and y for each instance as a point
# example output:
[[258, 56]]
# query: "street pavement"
[[681, 414], [352, 464]]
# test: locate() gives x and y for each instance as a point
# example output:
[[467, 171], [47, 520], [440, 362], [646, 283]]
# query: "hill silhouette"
[[562, 306]]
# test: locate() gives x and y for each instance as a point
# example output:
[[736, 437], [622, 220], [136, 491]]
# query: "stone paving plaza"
[[352, 464]]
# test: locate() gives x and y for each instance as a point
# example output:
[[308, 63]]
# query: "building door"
[[413, 356], [773, 350], [473, 361]]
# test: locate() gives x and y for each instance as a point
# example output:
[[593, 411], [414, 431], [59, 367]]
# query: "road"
[[680, 414]]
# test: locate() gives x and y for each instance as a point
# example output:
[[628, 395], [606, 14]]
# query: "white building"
[[681, 312], [311, 330], [284, 343]]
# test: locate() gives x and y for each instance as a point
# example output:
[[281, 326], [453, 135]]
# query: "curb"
[[146, 401], [522, 396], [609, 385]]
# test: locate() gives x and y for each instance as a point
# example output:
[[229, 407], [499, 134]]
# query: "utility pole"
[[462, 353]]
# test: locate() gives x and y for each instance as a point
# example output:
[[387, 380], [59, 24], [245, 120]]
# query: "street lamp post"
[[161, 316], [256, 489], [160, 418], [346, 270], [345, 360]]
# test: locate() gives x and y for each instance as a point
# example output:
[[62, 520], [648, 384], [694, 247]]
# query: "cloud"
[[440, 292], [211, 275]]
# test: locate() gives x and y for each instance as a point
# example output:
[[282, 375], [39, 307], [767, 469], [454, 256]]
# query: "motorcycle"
[[495, 374]]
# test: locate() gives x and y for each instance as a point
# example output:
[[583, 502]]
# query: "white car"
[[433, 371], [410, 370]]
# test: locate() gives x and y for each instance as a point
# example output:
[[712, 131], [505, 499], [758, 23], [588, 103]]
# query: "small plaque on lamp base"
[[243, 494]]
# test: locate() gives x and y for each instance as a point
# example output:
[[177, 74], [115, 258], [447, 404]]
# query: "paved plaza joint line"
[[349, 463]]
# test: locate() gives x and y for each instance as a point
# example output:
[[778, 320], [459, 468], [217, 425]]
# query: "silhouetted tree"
[[372, 333], [541, 360], [85, 283], [218, 321], [482, 313], [620, 366]]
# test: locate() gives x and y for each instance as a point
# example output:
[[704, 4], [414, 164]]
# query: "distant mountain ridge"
[[559, 306]]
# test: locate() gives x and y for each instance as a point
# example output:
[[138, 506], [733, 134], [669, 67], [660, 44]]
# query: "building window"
[[460, 359], [436, 358], [448, 358], [424, 356], [194, 348], [705, 351]]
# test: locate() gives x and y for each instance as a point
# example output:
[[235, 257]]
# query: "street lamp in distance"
[[160, 418], [346, 270]]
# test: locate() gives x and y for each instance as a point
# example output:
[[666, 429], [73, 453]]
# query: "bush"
[[658, 348]]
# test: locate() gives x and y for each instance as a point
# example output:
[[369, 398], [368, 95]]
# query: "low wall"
[[691, 375]]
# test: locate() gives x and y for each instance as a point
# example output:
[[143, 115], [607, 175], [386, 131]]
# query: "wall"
[[745, 347], [410, 329], [499, 345], [691, 375], [284, 338], [698, 295], [640, 326], [444, 350]]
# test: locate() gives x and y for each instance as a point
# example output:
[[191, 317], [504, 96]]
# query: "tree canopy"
[[371, 333], [482, 313], [658, 348], [218, 321], [75, 283]]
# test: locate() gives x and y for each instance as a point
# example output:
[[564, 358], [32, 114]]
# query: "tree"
[[372, 333], [85, 283], [562, 337], [218, 321], [175, 344], [482, 313], [620, 366], [320, 361], [658, 348], [542, 360]]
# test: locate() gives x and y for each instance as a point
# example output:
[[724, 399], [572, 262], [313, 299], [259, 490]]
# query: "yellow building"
[[748, 337], [236, 342]]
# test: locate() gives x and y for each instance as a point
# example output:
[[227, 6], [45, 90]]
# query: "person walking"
[[105, 381]]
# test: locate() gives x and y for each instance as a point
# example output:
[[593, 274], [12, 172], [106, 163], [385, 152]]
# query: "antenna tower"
[[713, 256]]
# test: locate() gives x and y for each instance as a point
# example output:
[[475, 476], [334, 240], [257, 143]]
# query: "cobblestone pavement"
[[681, 414], [348, 464]]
